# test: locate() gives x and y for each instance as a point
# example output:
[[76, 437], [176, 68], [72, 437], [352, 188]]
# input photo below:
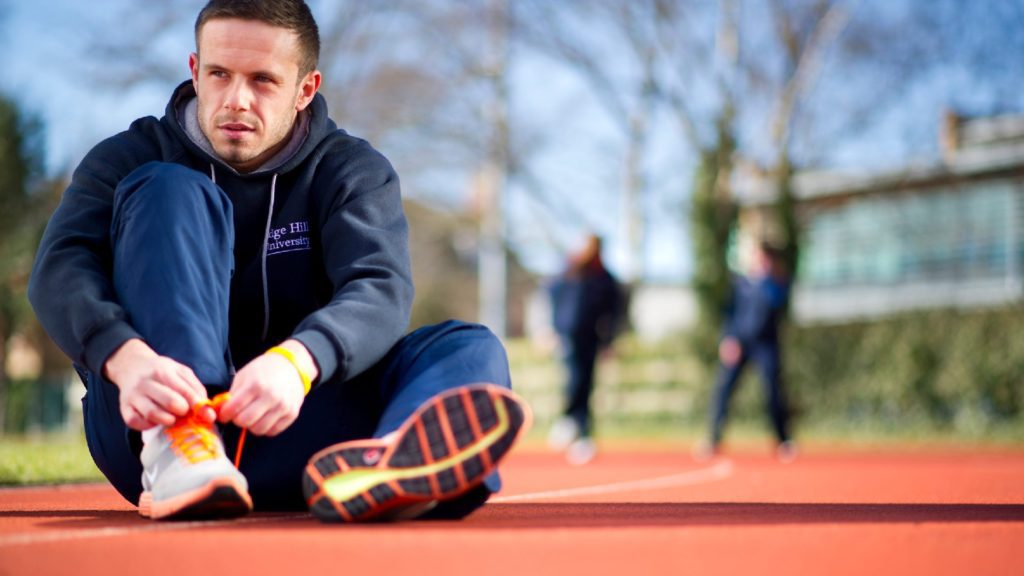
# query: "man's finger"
[[169, 399], [245, 391], [133, 419], [251, 418], [245, 405], [271, 424], [152, 413], [280, 426], [192, 381], [261, 426], [178, 381], [239, 402], [207, 415]]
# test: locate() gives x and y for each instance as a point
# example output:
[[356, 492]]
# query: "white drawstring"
[[266, 240]]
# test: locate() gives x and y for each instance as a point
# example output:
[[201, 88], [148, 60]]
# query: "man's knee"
[[166, 188], [450, 328], [476, 341]]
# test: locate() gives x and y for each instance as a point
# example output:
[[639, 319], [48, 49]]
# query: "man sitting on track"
[[245, 230]]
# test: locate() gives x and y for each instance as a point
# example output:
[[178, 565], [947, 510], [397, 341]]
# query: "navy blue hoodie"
[[325, 228], [755, 310]]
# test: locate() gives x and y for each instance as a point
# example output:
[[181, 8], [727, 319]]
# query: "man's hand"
[[729, 351], [267, 393], [154, 390]]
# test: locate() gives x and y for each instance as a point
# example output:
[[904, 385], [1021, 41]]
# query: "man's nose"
[[239, 96]]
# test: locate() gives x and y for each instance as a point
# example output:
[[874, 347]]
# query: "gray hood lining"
[[188, 119]]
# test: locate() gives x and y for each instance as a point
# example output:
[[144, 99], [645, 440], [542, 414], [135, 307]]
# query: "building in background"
[[948, 234]]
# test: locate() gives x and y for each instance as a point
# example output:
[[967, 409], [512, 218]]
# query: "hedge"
[[960, 373]]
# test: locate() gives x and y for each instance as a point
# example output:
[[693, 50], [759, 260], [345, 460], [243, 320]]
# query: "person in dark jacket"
[[586, 306], [751, 333], [244, 242]]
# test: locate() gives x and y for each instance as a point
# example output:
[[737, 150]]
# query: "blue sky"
[[48, 41]]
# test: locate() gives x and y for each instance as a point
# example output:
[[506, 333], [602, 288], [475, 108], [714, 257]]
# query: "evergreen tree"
[[20, 217], [713, 217]]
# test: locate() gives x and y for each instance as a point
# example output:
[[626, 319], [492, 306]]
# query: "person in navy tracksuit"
[[586, 307], [751, 334]]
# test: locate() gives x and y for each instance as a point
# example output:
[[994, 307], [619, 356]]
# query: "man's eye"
[[219, 74]]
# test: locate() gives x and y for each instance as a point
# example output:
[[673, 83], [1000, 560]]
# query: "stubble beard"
[[233, 151], [262, 141]]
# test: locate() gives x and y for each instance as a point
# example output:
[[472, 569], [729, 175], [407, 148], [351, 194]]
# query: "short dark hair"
[[291, 15]]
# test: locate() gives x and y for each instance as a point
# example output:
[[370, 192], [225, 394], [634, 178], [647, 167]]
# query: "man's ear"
[[193, 66], [307, 89]]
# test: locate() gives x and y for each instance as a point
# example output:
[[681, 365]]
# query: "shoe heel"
[[446, 448]]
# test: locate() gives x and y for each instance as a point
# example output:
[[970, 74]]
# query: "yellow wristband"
[[307, 382]]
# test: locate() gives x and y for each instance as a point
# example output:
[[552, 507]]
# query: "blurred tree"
[[153, 50], [612, 46], [444, 269], [435, 98], [21, 213], [712, 223], [767, 84]]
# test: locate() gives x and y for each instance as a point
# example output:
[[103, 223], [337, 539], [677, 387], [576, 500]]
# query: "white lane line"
[[719, 471], [111, 531]]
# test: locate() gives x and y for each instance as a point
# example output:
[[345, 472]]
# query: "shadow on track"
[[568, 515]]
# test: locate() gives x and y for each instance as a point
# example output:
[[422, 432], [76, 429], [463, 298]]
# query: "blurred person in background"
[[586, 308], [751, 334]]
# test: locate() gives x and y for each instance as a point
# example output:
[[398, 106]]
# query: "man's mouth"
[[236, 129]]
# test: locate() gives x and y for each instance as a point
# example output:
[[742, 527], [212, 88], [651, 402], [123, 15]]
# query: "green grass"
[[839, 435], [46, 459]]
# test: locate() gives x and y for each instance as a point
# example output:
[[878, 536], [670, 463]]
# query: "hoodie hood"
[[311, 128]]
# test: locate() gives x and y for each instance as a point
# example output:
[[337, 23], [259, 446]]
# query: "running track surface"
[[628, 513]]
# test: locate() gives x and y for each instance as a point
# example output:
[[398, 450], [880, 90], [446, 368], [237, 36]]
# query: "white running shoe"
[[581, 451], [786, 452], [185, 474], [563, 433], [705, 451]]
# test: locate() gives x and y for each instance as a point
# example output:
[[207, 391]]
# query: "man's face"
[[247, 79]]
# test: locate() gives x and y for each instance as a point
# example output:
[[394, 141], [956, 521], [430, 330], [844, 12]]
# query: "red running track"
[[628, 513]]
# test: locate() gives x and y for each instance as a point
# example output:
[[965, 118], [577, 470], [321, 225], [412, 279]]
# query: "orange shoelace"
[[194, 438]]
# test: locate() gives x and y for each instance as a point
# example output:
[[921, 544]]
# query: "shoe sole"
[[446, 448], [219, 498]]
